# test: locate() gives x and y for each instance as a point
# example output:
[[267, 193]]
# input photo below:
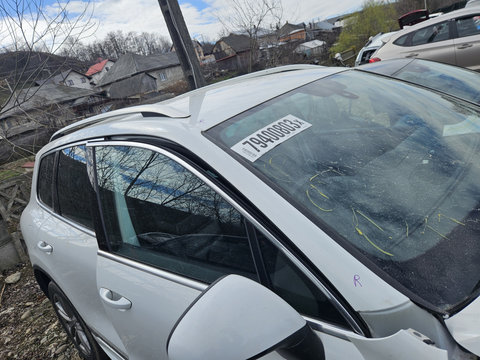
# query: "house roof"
[[96, 67], [289, 28], [311, 44], [138, 84], [133, 64], [238, 43], [40, 96], [323, 25]]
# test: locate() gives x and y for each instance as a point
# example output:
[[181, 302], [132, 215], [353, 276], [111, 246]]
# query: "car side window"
[[402, 40], [431, 34], [45, 180], [73, 186], [468, 26], [287, 281], [159, 213]]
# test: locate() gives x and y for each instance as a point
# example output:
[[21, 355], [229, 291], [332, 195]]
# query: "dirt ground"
[[29, 328]]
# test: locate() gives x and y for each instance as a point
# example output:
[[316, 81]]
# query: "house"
[[204, 53], [98, 70], [69, 78], [292, 32], [38, 98], [135, 75], [311, 48], [33, 114], [232, 52]]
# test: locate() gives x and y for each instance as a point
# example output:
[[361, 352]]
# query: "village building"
[[232, 52], [98, 70], [70, 78], [134, 76]]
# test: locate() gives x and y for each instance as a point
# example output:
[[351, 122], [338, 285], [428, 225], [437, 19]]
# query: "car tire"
[[74, 326]]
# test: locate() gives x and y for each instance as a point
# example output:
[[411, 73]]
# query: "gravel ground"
[[29, 328]]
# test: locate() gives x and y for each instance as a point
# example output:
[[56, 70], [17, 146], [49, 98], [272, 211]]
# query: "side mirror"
[[338, 57], [237, 318]]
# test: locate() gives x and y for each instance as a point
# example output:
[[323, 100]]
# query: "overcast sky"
[[145, 15]]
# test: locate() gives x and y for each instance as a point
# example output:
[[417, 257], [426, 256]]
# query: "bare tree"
[[29, 26], [251, 17], [117, 43]]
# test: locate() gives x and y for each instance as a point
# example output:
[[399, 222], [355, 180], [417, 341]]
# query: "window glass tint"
[[401, 41], [294, 287], [159, 213], [430, 34], [73, 186], [45, 180], [468, 26]]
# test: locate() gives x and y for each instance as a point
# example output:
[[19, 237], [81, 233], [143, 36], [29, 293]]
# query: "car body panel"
[[70, 246], [464, 327], [157, 303], [467, 51]]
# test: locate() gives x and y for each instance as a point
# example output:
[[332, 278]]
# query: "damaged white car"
[[345, 204]]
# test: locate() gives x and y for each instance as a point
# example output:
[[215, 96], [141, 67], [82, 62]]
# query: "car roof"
[[202, 108]]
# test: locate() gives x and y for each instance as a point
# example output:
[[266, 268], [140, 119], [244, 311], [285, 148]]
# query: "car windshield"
[[388, 167]]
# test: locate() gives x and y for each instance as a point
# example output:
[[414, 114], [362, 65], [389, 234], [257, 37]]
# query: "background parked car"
[[452, 38], [453, 80], [372, 45]]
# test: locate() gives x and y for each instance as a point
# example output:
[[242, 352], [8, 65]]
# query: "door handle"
[[114, 300], [43, 246], [411, 55], [465, 46]]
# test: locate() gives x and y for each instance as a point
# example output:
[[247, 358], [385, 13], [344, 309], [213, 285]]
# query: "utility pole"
[[182, 42]]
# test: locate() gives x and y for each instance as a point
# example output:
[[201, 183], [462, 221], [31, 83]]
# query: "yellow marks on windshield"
[[449, 218], [321, 194], [361, 233], [436, 232], [370, 220], [427, 226], [278, 173]]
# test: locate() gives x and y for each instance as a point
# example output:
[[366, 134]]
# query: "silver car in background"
[[452, 38]]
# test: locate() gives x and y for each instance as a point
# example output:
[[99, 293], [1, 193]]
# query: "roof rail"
[[148, 110]]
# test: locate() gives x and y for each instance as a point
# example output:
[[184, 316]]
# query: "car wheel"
[[73, 324]]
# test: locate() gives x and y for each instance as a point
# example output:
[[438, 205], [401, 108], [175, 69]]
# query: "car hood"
[[465, 327]]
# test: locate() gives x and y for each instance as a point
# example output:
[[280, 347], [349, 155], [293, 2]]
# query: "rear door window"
[[73, 186], [468, 26], [45, 180]]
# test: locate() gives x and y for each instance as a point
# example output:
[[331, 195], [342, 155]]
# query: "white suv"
[[299, 212]]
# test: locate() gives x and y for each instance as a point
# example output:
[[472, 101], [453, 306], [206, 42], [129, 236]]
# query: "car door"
[[63, 226], [171, 232], [467, 44], [432, 42]]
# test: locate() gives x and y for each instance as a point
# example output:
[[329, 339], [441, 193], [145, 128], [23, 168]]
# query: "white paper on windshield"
[[265, 139], [471, 125]]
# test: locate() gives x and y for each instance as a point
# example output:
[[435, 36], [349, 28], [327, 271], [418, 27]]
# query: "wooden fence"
[[14, 196]]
